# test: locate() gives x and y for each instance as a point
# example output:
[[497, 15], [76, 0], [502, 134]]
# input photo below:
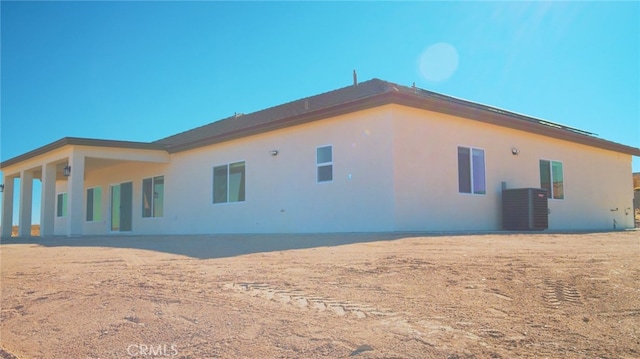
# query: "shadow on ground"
[[210, 246]]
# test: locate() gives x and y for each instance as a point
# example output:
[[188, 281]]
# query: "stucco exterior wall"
[[106, 176], [395, 168], [282, 194], [426, 175]]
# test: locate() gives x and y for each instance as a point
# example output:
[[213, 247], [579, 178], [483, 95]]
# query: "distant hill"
[[636, 180]]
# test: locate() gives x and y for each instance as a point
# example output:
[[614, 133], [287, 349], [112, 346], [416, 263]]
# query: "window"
[[153, 197], [324, 164], [228, 183], [552, 178], [61, 210], [94, 204], [471, 174]]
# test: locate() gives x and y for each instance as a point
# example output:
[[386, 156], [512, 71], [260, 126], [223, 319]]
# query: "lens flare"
[[438, 62]]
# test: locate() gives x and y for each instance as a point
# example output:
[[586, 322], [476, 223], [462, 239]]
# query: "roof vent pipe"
[[355, 78]]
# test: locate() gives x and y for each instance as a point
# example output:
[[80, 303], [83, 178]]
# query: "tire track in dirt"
[[422, 330], [300, 299], [556, 292]]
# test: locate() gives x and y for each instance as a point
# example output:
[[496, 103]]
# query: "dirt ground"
[[391, 296]]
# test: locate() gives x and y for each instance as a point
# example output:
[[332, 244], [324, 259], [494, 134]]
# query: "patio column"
[[26, 202], [7, 207], [48, 200], [75, 193]]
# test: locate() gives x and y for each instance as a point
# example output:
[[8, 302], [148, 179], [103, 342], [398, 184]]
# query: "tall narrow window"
[[324, 164], [153, 197], [61, 207], [471, 171], [552, 178], [94, 204], [229, 183]]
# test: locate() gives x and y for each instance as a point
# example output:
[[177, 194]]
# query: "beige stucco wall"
[[394, 169], [134, 172], [426, 175], [106, 176], [282, 194]]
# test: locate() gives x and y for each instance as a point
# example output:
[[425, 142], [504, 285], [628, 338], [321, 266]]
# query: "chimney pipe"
[[355, 78]]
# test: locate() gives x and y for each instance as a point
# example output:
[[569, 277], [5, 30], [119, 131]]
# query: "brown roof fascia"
[[76, 141]]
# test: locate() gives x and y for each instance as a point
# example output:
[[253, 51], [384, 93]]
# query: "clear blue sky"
[[141, 71]]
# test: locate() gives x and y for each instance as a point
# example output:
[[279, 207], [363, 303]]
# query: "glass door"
[[122, 207]]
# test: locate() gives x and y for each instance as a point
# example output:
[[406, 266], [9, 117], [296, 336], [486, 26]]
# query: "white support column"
[[48, 200], [75, 193], [7, 207], [26, 202]]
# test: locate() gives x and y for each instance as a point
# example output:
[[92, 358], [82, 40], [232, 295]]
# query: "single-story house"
[[373, 156]]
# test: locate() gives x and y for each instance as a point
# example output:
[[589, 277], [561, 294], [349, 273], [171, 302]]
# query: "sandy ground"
[[390, 296]]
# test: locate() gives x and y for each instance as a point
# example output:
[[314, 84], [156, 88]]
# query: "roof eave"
[[451, 106], [310, 116], [77, 141], [506, 119]]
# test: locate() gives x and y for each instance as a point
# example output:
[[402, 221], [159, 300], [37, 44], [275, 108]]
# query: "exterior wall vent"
[[525, 209]]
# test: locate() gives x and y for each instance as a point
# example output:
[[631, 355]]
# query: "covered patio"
[[69, 159]]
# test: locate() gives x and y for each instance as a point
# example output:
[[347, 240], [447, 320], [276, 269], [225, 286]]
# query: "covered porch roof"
[[76, 141]]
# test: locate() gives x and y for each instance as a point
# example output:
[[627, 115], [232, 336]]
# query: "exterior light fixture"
[[67, 171], [2, 187], [515, 151], [274, 152]]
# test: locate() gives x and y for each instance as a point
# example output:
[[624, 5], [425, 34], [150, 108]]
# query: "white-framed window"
[[324, 163], [94, 204], [229, 183], [61, 205], [153, 197], [552, 178], [471, 170]]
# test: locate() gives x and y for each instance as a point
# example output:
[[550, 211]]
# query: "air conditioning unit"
[[525, 209]]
